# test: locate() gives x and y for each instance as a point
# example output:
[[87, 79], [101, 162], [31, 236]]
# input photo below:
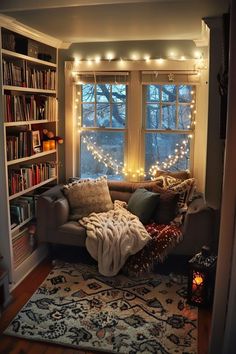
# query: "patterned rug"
[[77, 307]]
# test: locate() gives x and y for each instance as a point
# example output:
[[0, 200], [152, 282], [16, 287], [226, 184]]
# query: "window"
[[102, 111], [168, 125], [155, 134]]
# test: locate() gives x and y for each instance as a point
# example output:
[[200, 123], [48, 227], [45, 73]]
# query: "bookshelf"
[[28, 79]]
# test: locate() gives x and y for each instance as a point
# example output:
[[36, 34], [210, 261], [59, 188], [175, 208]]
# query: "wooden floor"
[[13, 345]]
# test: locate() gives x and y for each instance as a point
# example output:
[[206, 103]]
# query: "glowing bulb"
[[197, 54], [160, 61], [110, 56], [134, 56], [97, 59], [77, 61], [182, 57], [147, 58]]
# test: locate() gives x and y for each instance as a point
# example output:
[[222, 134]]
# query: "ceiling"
[[78, 21]]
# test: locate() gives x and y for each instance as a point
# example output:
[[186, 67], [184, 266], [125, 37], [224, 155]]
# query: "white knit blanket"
[[113, 236]]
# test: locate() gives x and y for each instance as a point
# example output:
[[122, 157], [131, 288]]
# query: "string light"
[[181, 151], [200, 62]]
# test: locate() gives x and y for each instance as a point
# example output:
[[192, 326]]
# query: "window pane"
[[118, 93], [112, 143], [88, 115], [118, 115], [153, 116], [153, 93], [159, 146], [88, 93], [169, 93], [168, 116], [185, 93], [184, 117], [103, 115], [103, 92]]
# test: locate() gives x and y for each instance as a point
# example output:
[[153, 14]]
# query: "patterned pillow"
[[178, 174], [87, 196], [168, 181], [185, 189]]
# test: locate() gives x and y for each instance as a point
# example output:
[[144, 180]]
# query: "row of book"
[[24, 76], [20, 145], [28, 176], [22, 209], [29, 107], [22, 247]]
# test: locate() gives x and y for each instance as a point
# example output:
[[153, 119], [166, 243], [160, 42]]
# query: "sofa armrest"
[[52, 212], [198, 228]]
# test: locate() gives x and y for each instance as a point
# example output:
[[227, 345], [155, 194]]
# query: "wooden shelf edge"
[[32, 157], [11, 197], [28, 58]]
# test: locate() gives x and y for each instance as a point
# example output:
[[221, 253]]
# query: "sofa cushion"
[[132, 186], [87, 196], [143, 203], [167, 207]]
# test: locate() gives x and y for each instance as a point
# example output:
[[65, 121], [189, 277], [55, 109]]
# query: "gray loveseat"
[[54, 226]]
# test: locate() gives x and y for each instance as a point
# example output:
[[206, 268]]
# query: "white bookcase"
[[28, 78]]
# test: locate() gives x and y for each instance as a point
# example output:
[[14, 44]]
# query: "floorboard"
[[22, 293]]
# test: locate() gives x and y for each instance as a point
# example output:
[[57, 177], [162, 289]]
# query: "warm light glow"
[[77, 61], [97, 59], [160, 61], [135, 56], [110, 56], [197, 54], [198, 280]]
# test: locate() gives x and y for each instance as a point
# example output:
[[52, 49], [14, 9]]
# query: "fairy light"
[[97, 59]]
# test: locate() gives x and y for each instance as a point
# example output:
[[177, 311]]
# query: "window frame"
[[167, 131], [186, 67], [98, 128]]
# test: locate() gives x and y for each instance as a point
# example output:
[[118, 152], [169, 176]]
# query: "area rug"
[[77, 307]]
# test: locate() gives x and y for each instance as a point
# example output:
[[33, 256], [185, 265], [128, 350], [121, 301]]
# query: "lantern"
[[201, 278]]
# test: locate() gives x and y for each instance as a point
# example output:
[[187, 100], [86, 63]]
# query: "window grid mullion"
[[110, 104], [177, 108]]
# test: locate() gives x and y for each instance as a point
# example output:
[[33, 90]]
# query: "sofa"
[[54, 225]]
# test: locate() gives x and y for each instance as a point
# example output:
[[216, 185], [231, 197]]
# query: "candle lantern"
[[201, 278]]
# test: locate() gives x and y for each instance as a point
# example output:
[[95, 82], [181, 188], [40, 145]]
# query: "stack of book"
[[19, 145], [24, 76], [30, 175], [29, 107], [22, 247], [22, 209]]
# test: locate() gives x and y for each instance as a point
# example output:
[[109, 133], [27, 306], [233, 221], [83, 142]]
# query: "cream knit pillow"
[[87, 196]]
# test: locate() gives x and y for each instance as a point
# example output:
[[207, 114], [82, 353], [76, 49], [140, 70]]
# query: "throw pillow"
[[168, 181], [142, 203], [87, 196], [178, 174], [185, 189], [167, 207]]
